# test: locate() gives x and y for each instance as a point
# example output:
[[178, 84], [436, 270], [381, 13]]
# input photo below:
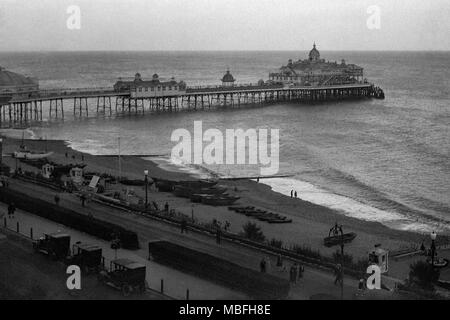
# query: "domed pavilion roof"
[[10, 79], [314, 54], [228, 77]]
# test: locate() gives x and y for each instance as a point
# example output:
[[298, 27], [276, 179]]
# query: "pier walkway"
[[53, 104]]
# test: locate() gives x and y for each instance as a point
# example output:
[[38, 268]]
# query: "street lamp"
[[433, 237], [342, 261], [146, 188]]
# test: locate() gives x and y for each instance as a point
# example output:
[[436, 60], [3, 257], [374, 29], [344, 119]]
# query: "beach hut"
[[47, 170], [76, 175], [380, 257]]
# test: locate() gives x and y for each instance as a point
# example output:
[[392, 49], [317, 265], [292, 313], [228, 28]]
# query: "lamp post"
[[433, 237], [146, 188], [342, 262]]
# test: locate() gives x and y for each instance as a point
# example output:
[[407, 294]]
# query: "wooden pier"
[[54, 104]]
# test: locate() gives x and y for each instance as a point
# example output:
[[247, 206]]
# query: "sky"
[[34, 25]]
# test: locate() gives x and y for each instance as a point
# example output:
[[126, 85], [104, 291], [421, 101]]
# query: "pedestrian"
[[83, 200], [57, 199], [301, 270], [67, 155], [268, 266], [361, 284], [166, 207], [422, 247], [263, 265], [218, 236], [279, 262], [338, 274], [183, 226], [11, 209], [293, 273], [295, 194], [292, 193]]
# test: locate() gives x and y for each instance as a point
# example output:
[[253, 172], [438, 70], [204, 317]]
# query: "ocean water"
[[386, 161]]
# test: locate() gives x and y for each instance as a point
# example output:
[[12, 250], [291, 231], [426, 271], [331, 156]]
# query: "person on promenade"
[[338, 274], [166, 207], [301, 270], [218, 236], [11, 210], [293, 273], [279, 262], [57, 199], [361, 285], [263, 265], [83, 200], [183, 226]]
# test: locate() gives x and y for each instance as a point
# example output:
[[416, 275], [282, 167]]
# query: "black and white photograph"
[[224, 156]]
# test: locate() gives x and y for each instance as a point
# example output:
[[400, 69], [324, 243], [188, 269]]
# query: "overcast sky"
[[225, 25]]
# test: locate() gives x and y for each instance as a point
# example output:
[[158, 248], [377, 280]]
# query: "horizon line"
[[216, 50]]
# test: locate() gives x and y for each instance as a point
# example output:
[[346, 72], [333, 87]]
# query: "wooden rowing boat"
[[338, 239]]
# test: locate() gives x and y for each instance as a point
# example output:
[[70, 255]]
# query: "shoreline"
[[311, 221]]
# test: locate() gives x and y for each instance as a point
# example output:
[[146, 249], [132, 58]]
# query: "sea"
[[377, 160]]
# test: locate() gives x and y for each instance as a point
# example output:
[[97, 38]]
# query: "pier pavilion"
[[315, 71], [228, 80]]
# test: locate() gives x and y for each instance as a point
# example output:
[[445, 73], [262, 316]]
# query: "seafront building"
[[139, 88], [315, 71], [16, 85]]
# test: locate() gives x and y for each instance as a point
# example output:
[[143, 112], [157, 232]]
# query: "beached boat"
[[164, 185], [219, 201], [279, 221], [439, 262], [338, 239], [26, 154], [261, 215], [198, 184]]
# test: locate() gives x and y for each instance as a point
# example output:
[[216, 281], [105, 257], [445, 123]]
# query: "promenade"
[[315, 281]]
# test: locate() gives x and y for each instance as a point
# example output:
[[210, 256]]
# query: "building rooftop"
[[156, 81], [9, 79], [315, 63]]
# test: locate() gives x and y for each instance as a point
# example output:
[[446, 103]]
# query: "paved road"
[[314, 282]]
